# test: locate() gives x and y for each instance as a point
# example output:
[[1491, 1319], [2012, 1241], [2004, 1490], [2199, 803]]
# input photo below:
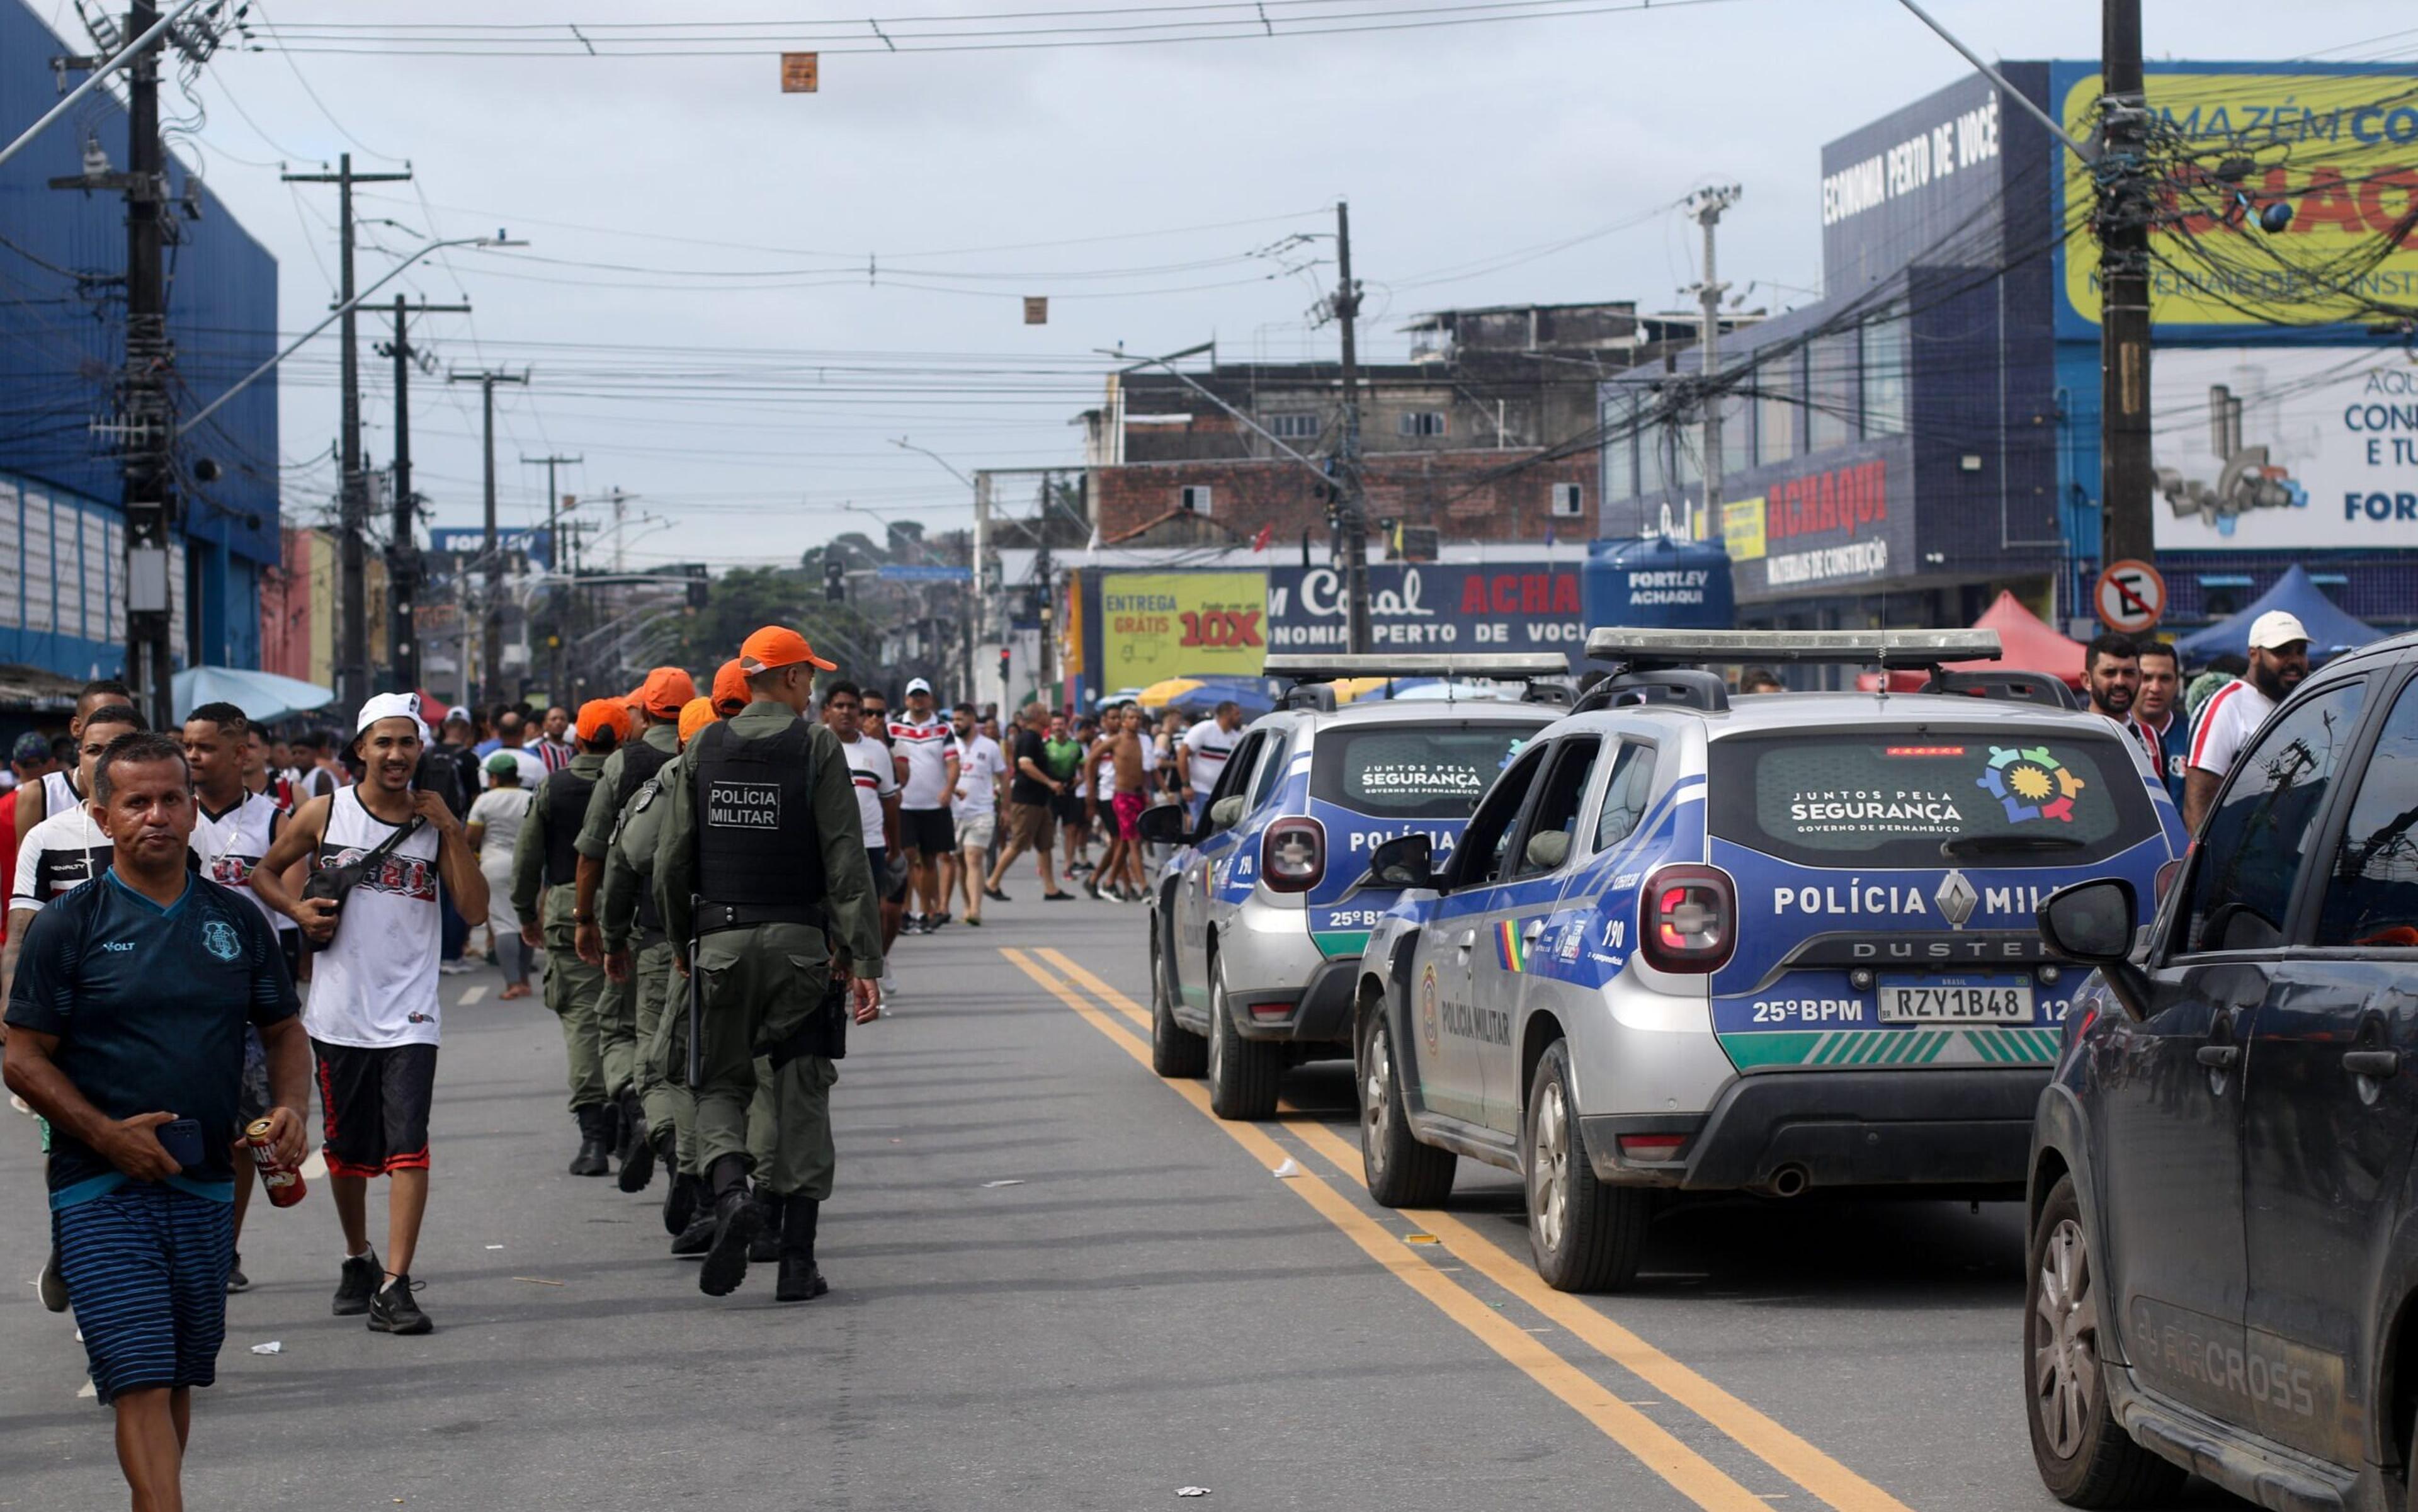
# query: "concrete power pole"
[[1351, 513], [402, 552], [1705, 207], [491, 628], [2125, 480], [352, 550], [145, 398], [554, 561]]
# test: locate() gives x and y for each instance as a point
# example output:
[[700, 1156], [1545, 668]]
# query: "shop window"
[[1619, 465], [1887, 353], [1775, 430], [1830, 391]]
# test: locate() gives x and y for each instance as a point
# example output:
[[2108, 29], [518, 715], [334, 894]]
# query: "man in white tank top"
[[372, 1009], [59, 791]]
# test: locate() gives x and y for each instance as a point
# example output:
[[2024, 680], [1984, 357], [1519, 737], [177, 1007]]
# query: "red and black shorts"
[[376, 1102]]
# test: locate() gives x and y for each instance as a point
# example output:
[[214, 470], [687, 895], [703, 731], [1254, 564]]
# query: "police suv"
[[1256, 924], [1769, 944]]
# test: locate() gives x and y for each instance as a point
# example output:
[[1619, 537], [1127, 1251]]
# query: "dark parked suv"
[[2223, 1236]]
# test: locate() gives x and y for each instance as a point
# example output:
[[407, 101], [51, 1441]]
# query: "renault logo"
[[1955, 898]]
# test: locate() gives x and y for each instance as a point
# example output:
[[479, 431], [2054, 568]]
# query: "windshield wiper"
[[1967, 845]]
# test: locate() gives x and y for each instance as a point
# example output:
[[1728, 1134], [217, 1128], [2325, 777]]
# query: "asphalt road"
[[1146, 1308]]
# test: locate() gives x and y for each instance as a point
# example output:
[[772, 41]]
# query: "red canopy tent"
[[2028, 644]]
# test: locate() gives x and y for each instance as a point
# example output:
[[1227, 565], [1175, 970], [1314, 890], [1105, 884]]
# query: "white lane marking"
[[471, 995]]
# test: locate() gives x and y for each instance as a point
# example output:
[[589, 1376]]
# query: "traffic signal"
[[834, 580], [1003, 666]]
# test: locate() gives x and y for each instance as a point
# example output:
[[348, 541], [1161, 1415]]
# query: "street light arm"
[[2000, 80], [125, 55], [334, 315], [1181, 377], [905, 444]]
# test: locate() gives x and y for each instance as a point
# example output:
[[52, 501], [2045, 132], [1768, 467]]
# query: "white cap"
[[2275, 629], [918, 685], [392, 706]]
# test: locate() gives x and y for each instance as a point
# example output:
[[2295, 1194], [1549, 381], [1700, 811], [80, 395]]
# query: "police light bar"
[[1859, 648], [1329, 667]]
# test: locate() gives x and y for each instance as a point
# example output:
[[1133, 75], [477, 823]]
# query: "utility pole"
[[402, 552], [145, 396], [554, 563], [352, 551], [2123, 224], [1351, 516], [491, 628], [1705, 207]]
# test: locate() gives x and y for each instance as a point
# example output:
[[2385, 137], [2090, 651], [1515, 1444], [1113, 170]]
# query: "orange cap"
[[665, 689], [778, 645], [695, 715], [730, 687], [600, 714]]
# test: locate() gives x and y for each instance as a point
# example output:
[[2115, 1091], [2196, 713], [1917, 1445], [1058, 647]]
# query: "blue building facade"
[[1927, 434], [62, 337]]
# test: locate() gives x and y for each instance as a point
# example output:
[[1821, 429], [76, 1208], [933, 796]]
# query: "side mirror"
[[1225, 813], [2094, 923], [1165, 824], [1405, 860], [1548, 849]]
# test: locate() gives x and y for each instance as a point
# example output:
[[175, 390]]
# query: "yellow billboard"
[[2339, 147], [1155, 625], [1743, 528]]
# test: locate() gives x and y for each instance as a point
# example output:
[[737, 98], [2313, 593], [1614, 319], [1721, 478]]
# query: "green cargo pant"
[[663, 1076], [617, 1034], [573, 989], [760, 984], [672, 1056]]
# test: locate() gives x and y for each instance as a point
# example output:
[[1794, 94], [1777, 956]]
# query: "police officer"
[[636, 951], [544, 869], [655, 706], [761, 877]]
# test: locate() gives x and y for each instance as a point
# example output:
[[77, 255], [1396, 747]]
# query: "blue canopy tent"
[[2330, 629], [263, 697]]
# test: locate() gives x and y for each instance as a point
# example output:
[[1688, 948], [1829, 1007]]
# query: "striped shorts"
[[146, 1265]]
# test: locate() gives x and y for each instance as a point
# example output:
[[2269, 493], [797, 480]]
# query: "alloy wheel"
[[1549, 1161], [2065, 1341], [1376, 1086]]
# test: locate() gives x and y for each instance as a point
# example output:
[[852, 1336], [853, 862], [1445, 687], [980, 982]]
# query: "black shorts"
[[1068, 807], [375, 1102], [888, 888], [931, 830]]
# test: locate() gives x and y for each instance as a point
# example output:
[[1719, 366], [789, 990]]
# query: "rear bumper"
[[1320, 1011], [1952, 1130]]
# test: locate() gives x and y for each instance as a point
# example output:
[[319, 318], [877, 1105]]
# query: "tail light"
[[2168, 872], [1689, 919], [1292, 855], [1662, 1147]]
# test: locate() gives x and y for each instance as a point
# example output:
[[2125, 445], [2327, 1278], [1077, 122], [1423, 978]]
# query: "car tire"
[[1242, 1073], [1400, 1171], [2085, 1457], [1175, 1052], [1586, 1234]]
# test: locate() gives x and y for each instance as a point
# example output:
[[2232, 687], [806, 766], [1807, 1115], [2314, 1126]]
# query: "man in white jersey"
[[2279, 659], [1203, 753], [61, 790], [973, 811], [70, 847], [927, 775], [876, 776], [373, 1011], [233, 827]]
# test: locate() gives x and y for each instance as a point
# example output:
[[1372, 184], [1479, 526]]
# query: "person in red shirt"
[[30, 760]]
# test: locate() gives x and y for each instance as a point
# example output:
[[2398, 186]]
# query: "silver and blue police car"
[[1771, 943], [1256, 921]]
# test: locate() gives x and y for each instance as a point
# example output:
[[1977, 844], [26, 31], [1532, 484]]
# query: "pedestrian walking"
[[496, 820], [553, 745], [69, 848], [1033, 794], [2156, 720], [2279, 660], [133, 1055], [234, 828], [2111, 675], [1207, 747], [544, 893], [60, 788], [387, 851], [1121, 750], [874, 773], [982, 775], [928, 774], [511, 738], [772, 904], [1062, 753]]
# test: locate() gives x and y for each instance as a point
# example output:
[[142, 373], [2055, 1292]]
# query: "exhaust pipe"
[[1788, 1180]]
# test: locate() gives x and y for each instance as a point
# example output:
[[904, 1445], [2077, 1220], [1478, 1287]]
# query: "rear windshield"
[[1843, 797], [1405, 772]]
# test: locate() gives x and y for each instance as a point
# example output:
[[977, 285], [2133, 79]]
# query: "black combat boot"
[[767, 1245], [630, 1135], [737, 1220], [681, 1193], [594, 1140], [800, 1280], [639, 1153], [696, 1236]]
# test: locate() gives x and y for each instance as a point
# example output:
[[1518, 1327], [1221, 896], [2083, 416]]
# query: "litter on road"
[[1012, 1181], [272, 1346], [1289, 1170]]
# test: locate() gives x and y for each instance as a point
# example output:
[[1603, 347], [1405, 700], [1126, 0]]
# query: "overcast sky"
[[735, 299]]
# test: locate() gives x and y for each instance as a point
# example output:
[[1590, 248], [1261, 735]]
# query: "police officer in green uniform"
[[656, 705], [637, 949], [762, 876], [544, 863]]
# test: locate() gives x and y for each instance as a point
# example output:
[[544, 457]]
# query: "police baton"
[[696, 1004]]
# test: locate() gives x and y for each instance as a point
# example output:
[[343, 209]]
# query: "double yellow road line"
[[1655, 1447]]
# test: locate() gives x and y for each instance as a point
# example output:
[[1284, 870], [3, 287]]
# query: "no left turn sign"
[[2131, 597]]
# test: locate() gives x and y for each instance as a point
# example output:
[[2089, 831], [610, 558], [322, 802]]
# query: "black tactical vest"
[[756, 847], [566, 810], [639, 761]]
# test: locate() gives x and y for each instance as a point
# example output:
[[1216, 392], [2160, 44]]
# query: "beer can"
[[283, 1183]]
